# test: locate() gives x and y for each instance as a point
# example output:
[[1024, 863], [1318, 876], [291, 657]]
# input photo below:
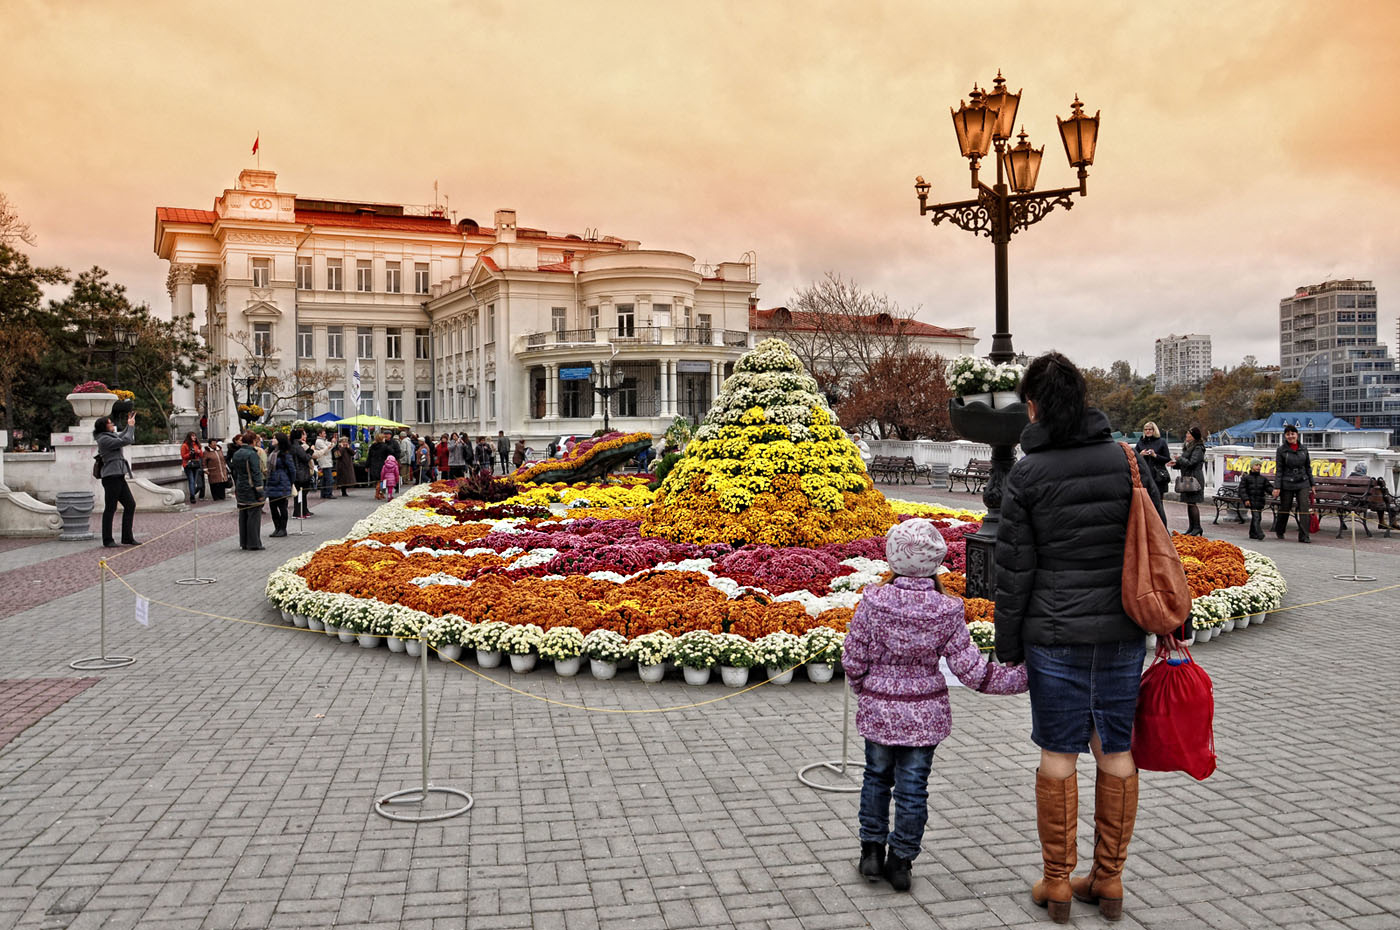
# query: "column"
[[180, 284], [672, 381], [381, 371], [599, 401], [715, 369], [551, 391], [665, 378]]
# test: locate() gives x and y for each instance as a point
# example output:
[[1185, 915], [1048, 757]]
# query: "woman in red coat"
[[441, 452]]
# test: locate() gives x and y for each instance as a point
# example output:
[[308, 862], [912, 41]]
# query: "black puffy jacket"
[[1064, 516], [1293, 468]]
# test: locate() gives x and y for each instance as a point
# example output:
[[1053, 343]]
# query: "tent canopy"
[[366, 419], [325, 418]]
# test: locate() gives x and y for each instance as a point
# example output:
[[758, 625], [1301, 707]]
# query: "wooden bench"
[[1387, 511], [973, 477], [885, 468], [1341, 496]]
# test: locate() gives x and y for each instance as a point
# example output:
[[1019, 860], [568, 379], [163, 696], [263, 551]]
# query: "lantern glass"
[[1080, 134], [91, 337], [974, 124], [1005, 104], [1023, 165]]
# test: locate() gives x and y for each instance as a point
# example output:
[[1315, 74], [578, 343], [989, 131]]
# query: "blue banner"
[[575, 374]]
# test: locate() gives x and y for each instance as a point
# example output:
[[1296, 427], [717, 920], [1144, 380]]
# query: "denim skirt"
[[1078, 689]]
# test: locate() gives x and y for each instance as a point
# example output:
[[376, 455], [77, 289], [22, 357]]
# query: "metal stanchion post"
[[420, 795], [196, 579], [101, 662], [1354, 576], [837, 766]]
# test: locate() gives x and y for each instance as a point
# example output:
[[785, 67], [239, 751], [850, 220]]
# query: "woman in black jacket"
[[1192, 465], [115, 470], [301, 461], [1153, 449], [1059, 608], [1293, 469]]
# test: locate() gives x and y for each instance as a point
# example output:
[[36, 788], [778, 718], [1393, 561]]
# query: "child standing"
[[1255, 490], [389, 477], [898, 633]]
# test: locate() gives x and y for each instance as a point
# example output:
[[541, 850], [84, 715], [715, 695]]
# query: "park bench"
[[1386, 511], [1341, 496], [885, 468], [973, 476]]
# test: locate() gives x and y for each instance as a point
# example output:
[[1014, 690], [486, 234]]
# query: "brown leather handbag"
[[1155, 592]]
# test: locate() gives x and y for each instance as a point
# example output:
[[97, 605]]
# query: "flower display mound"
[[589, 459], [770, 465]]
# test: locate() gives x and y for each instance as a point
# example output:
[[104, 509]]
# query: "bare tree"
[[13, 229], [301, 383]]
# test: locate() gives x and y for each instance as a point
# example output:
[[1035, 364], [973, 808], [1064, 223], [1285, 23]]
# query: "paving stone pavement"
[[226, 780]]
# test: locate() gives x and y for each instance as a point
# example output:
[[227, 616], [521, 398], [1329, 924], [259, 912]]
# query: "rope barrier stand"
[[839, 766], [420, 794], [196, 579], [1354, 576], [101, 662]]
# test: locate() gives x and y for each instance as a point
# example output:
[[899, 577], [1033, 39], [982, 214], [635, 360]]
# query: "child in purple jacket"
[[898, 633]]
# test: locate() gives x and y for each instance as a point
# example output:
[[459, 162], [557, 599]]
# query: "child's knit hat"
[[915, 548]]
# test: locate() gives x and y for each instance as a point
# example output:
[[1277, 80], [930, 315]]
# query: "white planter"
[[313, 623], [733, 677], [697, 676], [413, 647], [286, 617], [652, 673], [1243, 622], [346, 634], [1228, 626], [1203, 636], [778, 676], [1002, 399], [395, 644], [602, 669], [368, 640], [300, 620], [89, 407], [820, 672], [522, 664], [449, 652], [488, 658], [568, 668], [981, 398]]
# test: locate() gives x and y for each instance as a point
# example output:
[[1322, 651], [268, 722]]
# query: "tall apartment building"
[[1182, 360], [1327, 343]]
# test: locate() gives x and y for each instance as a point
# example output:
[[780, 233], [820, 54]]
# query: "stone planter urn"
[[75, 507], [89, 407]]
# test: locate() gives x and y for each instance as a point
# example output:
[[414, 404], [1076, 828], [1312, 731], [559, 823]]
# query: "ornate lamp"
[[1005, 104], [1080, 134], [975, 124], [1023, 164]]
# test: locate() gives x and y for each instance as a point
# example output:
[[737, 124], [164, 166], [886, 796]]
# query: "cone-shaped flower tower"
[[769, 465]]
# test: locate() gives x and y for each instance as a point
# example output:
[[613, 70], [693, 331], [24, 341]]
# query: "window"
[[422, 345], [262, 339], [471, 336], [304, 282], [627, 398], [661, 314], [335, 275], [364, 276], [420, 278], [364, 336], [704, 326], [593, 322], [335, 342], [395, 406], [491, 398], [337, 402], [391, 278], [1346, 300], [424, 407], [490, 323], [262, 272], [367, 402], [572, 398], [626, 320], [304, 341], [558, 319], [394, 338]]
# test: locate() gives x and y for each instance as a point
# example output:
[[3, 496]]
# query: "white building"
[[451, 325], [1182, 360]]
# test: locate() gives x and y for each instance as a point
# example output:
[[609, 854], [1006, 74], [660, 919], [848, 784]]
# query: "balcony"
[[635, 336]]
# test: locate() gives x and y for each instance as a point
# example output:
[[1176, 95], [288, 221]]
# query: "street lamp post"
[[247, 383], [998, 212], [606, 386], [122, 340]]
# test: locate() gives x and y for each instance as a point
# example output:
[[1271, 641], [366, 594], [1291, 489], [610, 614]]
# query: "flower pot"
[[394, 643], [820, 672], [449, 652], [602, 669], [733, 677], [778, 676], [1228, 626], [346, 634], [1003, 399], [413, 647], [981, 397], [286, 617], [697, 676], [1204, 635], [1243, 622], [368, 640], [488, 658], [522, 664], [652, 673], [89, 407], [568, 668], [982, 423], [312, 623], [300, 620]]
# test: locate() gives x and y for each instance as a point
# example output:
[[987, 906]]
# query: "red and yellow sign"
[[1237, 465]]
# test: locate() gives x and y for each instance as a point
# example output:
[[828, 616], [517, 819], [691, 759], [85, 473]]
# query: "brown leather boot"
[[1115, 813], [1056, 816]]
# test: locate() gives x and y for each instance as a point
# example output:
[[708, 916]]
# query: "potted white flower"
[[404, 628], [519, 641], [486, 640], [983, 634], [735, 655], [563, 645], [444, 635], [696, 653], [379, 621], [971, 378], [822, 648], [779, 653], [354, 620], [605, 649], [650, 651], [1004, 381]]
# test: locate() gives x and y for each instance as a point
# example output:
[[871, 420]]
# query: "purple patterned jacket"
[[891, 657]]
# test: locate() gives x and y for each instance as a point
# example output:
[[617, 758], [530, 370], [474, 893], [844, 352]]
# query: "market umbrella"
[[366, 419]]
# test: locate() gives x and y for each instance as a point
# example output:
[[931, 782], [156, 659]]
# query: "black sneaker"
[[872, 860], [897, 871]]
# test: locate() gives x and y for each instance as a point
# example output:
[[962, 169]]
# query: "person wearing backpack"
[[1060, 552]]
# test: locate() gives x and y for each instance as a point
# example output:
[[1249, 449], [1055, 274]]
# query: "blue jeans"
[[1078, 689], [192, 483], [327, 491], [903, 772]]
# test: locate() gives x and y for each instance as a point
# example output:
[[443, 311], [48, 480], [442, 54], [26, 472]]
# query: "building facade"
[[1328, 343], [1182, 360]]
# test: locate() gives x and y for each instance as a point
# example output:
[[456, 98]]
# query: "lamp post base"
[[1001, 429]]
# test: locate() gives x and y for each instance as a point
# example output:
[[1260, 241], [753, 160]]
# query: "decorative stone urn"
[[89, 407], [75, 507]]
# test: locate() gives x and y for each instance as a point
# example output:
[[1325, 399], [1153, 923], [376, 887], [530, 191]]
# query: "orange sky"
[[1246, 148]]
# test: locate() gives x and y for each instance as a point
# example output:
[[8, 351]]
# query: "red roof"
[[184, 215], [783, 318]]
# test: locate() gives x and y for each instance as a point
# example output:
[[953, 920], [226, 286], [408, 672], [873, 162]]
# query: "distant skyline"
[[1245, 150]]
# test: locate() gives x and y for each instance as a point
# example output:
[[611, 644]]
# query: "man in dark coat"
[[1255, 490], [380, 450]]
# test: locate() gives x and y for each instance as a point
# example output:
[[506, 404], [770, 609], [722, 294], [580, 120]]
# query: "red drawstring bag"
[[1172, 731], [1314, 518]]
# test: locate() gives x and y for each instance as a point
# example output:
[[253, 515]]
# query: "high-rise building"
[[1327, 343], [1182, 360]]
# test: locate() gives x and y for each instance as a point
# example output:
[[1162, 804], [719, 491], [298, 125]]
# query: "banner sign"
[[686, 366], [1237, 465], [355, 389], [575, 374]]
